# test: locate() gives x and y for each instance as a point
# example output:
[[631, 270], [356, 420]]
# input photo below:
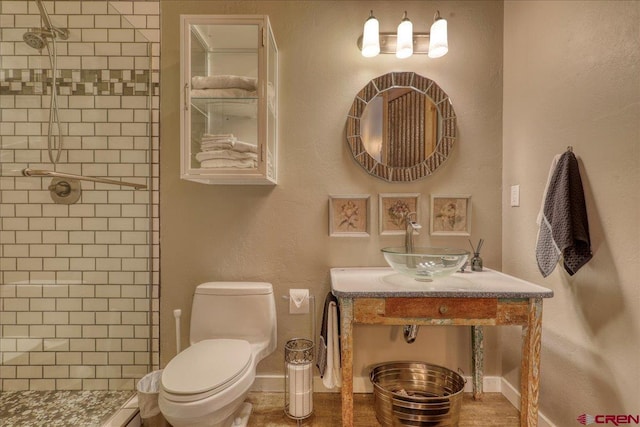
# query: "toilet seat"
[[205, 368]]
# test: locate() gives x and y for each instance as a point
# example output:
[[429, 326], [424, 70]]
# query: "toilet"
[[233, 327]]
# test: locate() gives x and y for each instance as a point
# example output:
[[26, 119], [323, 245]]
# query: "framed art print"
[[349, 215], [393, 211], [450, 215]]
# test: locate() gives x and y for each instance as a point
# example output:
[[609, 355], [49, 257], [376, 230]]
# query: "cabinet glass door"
[[224, 96]]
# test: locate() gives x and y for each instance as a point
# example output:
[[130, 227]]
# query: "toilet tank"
[[240, 310]]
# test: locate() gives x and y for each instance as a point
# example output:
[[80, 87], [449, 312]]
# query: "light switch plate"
[[515, 195]]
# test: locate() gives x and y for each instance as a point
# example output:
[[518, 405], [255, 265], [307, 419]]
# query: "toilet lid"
[[206, 365]]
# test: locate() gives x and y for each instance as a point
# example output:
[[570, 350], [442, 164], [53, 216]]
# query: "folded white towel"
[[245, 147], [223, 93], [217, 136], [227, 163], [224, 82], [224, 154], [210, 146]]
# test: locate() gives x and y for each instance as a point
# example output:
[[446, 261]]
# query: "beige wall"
[[572, 77], [280, 234]]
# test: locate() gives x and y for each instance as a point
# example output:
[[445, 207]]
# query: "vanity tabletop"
[[383, 282]]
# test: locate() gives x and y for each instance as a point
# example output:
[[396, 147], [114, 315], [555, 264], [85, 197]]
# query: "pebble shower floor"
[[59, 408]]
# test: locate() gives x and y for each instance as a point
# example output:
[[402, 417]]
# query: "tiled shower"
[[79, 282]]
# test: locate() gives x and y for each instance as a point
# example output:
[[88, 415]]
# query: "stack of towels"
[[225, 151], [223, 86]]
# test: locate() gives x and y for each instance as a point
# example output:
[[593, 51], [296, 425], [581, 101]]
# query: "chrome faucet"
[[412, 226], [410, 331]]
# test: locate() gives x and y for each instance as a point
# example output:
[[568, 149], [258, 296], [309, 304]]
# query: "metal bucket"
[[416, 394]]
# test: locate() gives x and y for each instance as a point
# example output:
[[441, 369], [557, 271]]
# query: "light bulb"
[[404, 46], [371, 37], [438, 43]]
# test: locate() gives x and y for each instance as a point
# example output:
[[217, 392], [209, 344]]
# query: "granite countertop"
[[384, 282]]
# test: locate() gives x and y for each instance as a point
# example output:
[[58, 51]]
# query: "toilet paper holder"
[[298, 370], [298, 379]]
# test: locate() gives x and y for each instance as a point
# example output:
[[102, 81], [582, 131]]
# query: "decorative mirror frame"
[[446, 138]]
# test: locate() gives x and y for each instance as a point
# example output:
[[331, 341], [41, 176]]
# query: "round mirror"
[[401, 127]]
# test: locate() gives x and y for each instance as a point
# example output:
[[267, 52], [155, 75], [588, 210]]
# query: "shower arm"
[[44, 15], [54, 174]]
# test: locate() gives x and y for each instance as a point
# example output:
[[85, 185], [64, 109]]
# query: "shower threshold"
[[82, 408]]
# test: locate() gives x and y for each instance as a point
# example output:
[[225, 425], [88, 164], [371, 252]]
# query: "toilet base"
[[241, 417]]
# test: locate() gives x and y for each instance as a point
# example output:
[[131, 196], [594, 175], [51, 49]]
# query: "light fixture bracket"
[[388, 43]]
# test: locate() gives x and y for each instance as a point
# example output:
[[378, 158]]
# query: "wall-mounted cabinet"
[[229, 88]]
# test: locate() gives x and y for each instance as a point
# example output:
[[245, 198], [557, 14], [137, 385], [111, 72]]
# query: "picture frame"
[[450, 215], [350, 215], [392, 211]]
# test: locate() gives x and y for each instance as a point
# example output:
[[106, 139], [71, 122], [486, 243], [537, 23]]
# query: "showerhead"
[[35, 38]]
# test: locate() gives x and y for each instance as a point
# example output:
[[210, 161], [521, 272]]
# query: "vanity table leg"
[[530, 370], [477, 345], [346, 356]]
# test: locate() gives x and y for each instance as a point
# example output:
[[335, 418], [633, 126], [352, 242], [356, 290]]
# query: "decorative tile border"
[[76, 82]]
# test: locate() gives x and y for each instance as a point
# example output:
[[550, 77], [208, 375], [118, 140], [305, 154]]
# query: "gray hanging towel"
[[321, 355], [564, 229]]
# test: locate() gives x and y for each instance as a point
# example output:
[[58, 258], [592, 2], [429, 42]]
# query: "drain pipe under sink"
[[410, 333]]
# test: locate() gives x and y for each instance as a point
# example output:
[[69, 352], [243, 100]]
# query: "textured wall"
[[280, 234], [577, 82]]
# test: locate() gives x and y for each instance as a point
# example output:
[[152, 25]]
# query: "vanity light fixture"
[[405, 42], [371, 37], [438, 42], [404, 45]]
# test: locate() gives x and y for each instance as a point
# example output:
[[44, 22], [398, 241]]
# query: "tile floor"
[[493, 411], [59, 408]]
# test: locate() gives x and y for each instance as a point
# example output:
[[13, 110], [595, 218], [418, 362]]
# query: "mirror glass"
[[401, 127]]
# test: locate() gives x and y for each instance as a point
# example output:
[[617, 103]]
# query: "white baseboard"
[[513, 395], [275, 383]]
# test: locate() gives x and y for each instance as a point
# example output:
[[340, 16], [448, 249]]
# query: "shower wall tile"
[[74, 279]]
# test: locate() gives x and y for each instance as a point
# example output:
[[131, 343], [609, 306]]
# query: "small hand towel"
[[335, 336], [332, 376], [564, 230], [552, 169], [321, 354]]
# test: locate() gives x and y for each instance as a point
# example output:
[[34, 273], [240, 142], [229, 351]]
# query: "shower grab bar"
[[42, 172]]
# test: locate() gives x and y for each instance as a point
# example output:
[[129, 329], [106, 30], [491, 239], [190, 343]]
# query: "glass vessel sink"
[[425, 264]]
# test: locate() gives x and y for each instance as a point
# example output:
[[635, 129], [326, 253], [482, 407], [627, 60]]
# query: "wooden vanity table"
[[379, 296]]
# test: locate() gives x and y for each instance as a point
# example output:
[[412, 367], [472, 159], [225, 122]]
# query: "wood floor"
[[268, 411]]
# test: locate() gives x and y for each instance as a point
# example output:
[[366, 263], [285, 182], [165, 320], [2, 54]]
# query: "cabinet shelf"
[[236, 107]]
